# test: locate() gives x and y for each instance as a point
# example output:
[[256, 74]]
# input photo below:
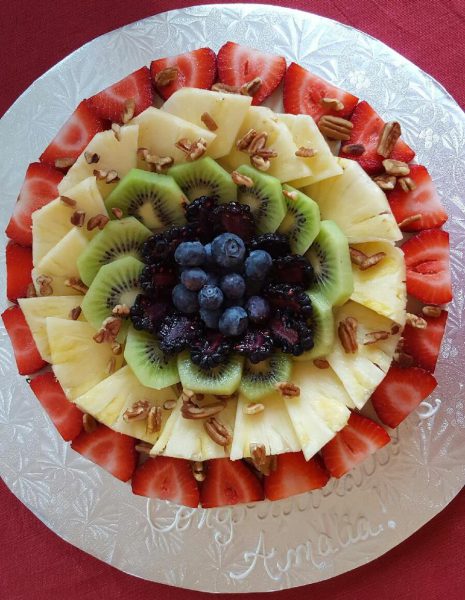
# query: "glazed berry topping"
[[200, 214], [235, 218], [158, 278], [291, 335]]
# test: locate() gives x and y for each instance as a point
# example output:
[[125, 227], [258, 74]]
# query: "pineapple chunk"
[[52, 222], [382, 287], [159, 131], [109, 400], [79, 363], [356, 204], [114, 154], [227, 111], [187, 438], [36, 310], [305, 133], [272, 427]]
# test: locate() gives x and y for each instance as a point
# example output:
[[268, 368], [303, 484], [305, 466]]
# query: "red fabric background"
[[34, 562]]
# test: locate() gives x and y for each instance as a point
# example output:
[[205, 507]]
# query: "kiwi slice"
[[151, 366], [118, 239], [322, 323], [222, 380], [115, 283], [302, 221], [155, 200], [260, 379], [204, 177], [265, 199], [330, 258]]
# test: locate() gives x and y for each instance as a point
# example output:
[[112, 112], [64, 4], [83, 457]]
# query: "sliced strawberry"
[[18, 271], [40, 186], [109, 104], [428, 268], [240, 64], [65, 415], [353, 444], [114, 452], [423, 200], [303, 92], [424, 344], [74, 135], [367, 127], [27, 356], [400, 392], [229, 482], [194, 69], [295, 475], [168, 479]]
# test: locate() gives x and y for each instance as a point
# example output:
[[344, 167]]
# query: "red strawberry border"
[[415, 204]]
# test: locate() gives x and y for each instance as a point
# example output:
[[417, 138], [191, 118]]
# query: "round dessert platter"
[[252, 291]]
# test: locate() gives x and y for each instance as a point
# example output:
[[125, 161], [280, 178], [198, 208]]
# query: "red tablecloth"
[[34, 562]]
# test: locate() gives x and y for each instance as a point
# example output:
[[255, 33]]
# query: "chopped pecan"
[[385, 182], [321, 363], [291, 195], [192, 150], [209, 121], [347, 332], [354, 149], [253, 408], [375, 336], [251, 87], [260, 163], [396, 167], [416, 321], [190, 410], [91, 157], [111, 365], [109, 176], [77, 218], [116, 128], [109, 330], [120, 310], [116, 348], [64, 162], [227, 89], [75, 313], [240, 179], [159, 164], [407, 184], [244, 142], [335, 128], [372, 260], [117, 212], [166, 76], [31, 291], [45, 285], [76, 284], [257, 143], [357, 257], [332, 103], [288, 389], [390, 133], [431, 311], [89, 423], [169, 404], [154, 419], [304, 152], [68, 201], [97, 221], [198, 471], [260, 460], [218, 432], [409, 220], [128, 110], [138, 411]]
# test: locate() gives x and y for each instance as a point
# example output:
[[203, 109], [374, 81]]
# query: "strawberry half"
[[240, 64], [18, 271], [194, 69], [27, 356], [74, 135], [423, 200], [353, 444], [303, 92], [114, 452], [367, 127], [110, 103], [424, 344], [294, 475], [229, 482], [40, 186], [65, 415], [428, 268], [167, 479], [400, 392]]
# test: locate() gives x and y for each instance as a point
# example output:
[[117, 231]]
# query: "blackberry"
[[293, 336], [276, 244], [199, 214], [289, 298], [294, 270], [147, 314], [210, 351], [256, 345], [234, 218], [178, 332], [161, 246], [158, 278]]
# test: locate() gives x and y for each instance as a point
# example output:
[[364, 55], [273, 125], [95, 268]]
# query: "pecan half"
[[390, 133], [75, 313], [354, 149], [431, 311], [385, 182], [335, 128], [260, 460], [240, 179], [409, 220], [407, 184], [254, 408], [347, 332], [288, 389], [218, 432], [68, 201], [332, 103], [209, 121], [77, 218], [375, 336], [154, 419], [244, 142], [396, 167], [304, 152], [190, 410], [416, 321], [166, 76]]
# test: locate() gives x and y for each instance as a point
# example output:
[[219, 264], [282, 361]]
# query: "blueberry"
[[210, 317], [228, 251], [258, 309], [208, 252], [210, 297], [233, 286], [257, 264], [190, 254], [233, 321], [185, 300], [194, 279]]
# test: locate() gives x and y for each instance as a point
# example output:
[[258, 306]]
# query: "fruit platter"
[[228, 282]]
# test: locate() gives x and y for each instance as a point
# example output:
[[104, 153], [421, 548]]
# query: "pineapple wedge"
[[79, 363], [321, 408], [382, 287], [305, 133], [286, 166], [159, 131], [187, 438], [36, 310], [114, 154], [227, 111], [272, 427], [362, 371], [113, 396], [356, 204], [52, 222]]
